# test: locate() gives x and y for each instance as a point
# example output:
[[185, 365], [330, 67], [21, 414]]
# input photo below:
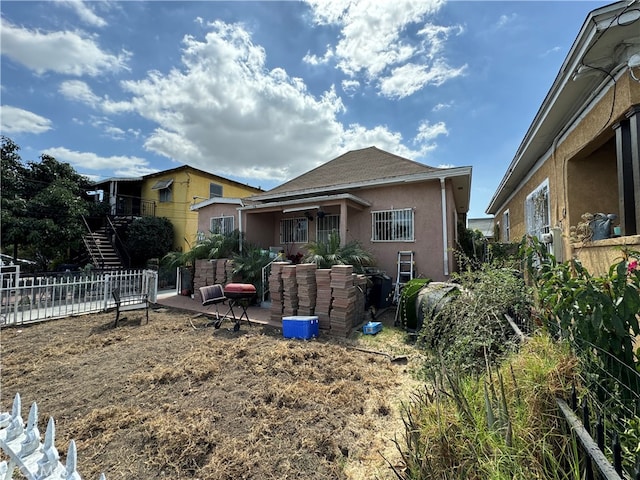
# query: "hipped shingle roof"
[[356, 166]]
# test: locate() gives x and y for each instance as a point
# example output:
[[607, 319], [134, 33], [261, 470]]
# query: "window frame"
[[537, 210], [505, 230], [165, 195], [224, 220], [213, 194], [391, 224]]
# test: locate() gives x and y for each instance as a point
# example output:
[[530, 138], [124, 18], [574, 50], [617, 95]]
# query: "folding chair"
[[213, 295]]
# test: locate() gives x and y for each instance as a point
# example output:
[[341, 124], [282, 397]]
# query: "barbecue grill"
[[238, 295]]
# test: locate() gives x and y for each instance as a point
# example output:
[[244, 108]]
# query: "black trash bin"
[[380, 293]]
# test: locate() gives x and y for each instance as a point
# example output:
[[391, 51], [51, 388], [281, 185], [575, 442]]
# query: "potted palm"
[[329, 253]]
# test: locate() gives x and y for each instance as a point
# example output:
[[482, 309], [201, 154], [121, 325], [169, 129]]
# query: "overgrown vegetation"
[[489, 410], [471, 325], [500, 425], [597, 314]]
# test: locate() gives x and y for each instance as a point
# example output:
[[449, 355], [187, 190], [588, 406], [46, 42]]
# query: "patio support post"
[[113, 196], [628, 159], [343, 223]]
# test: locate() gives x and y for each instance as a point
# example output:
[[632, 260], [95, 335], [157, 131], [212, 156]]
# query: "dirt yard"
[[176, 399]]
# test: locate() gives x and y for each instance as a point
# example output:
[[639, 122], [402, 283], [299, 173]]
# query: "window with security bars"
[[294, 230], [326, 225], [221, 225], [537, 211], [392, 225]]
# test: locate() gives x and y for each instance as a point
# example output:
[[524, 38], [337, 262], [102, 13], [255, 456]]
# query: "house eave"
[[580, 80], [277, 205], [421, 177], [216, 200]]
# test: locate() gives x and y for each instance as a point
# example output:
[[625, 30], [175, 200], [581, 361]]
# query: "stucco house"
[[170, 193], [388, 203], [581, 154]]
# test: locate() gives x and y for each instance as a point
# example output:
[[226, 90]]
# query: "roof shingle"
[[353, 167]]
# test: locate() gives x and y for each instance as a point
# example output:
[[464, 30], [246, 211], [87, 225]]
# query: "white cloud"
[[69, 53], [428, 132], [84, 12], [350, 86], [225, 112], [79, 91], [410, 78], [121, 166], [551, 51], [505, 20], [316, 60], [442, 106], [375, 42], [17, 120]]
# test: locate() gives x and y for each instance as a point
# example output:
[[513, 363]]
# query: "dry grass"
[[166, 399]]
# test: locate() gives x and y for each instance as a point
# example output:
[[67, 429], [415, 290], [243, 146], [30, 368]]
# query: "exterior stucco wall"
[[581, 168], [176, 210], [186, 185], [262, 227], [205, 214], [593, 183], [599, 255], [516, 205]]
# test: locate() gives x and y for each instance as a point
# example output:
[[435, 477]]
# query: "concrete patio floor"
[[256, 314]]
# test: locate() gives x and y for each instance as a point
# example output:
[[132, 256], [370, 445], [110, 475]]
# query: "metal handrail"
[[264, 278], [119, 246], [95, 244]]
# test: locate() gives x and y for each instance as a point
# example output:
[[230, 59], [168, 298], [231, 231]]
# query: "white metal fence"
[[21, 443], [32, 298]]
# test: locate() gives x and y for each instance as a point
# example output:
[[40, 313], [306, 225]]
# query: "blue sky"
[[260, 92]]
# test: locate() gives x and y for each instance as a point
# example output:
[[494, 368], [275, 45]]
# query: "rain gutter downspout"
[[445, 238], [240, 226]]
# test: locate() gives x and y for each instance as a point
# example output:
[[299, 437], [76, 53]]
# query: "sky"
[[261, 92]]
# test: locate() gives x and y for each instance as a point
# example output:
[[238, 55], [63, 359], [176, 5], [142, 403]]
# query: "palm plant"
[[326, 254], [214, 246]]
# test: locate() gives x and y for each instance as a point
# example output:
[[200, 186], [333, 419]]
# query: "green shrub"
[[149, 237]]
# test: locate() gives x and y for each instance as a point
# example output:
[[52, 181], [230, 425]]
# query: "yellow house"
[[174, 191]]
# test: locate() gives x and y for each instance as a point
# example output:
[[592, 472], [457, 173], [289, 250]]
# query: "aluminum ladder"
[[406, 266]]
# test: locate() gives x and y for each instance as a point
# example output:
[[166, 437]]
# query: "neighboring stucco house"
[[170, 194], [581, 154], [482, 225], [387, 203]]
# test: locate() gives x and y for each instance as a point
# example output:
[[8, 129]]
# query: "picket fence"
[[32, 298], [35, 460]]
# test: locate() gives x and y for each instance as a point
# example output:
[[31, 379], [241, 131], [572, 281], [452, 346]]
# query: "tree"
[[43, 205], [13, 206]]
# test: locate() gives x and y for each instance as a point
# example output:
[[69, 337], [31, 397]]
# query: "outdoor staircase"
[[101, 251]]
